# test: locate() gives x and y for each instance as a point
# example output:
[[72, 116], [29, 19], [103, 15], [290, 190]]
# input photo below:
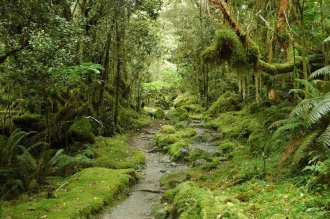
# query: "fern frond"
[[304, 106], [319, 111], [279, 123], [26, 159], [304, 146], [322, 71], [298, 91], [287, 128], [326, 39], [324, 138]]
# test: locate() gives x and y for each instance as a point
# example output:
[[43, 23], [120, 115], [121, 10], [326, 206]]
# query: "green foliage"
[[81, 131], [185, 99], [80, 195], [226, 102], [26, 122], [177, 114]]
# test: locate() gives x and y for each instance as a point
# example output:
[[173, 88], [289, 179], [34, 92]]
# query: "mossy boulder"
[[171, 180], [81, 131], [115, 153], [177, 114], [179, 150], [159, 114], [129, 119], [226, 102], [156, 113], [187, 132], [167, 129], [29, 122], [198, 153], [165, 140], [185, 99]]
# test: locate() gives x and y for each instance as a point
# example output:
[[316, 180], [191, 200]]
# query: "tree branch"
[[270, 68], [12, 52]]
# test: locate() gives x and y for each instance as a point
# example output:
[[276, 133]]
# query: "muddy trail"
[[147, 192]]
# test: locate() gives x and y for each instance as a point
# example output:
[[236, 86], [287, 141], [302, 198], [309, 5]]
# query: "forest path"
[[142, 197]]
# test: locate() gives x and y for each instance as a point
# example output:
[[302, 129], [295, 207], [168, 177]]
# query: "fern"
[[326, 40], [304, 106], [324, 139], [303, 147], [286, 128], [320, 110], [322, 71]]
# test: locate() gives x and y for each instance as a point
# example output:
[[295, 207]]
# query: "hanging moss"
[[81, 131], [226, 46]]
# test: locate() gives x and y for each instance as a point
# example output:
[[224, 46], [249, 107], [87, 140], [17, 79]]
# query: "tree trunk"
[[117, 78]]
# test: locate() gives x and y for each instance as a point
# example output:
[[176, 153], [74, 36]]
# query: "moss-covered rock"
[[129, 119], [171, 180], [115, 153], [81, 131], [179, 150], [177, 114], [29, 122], [165, 140], [167, 129], [226, 102], [198, 153], [185, 99]]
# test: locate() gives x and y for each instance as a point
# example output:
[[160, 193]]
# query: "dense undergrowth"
[[246, 176], [96, 171]]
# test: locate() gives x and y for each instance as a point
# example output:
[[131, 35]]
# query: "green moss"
[[114, 152], [228, 146], [171, 180], [185, 99], [177, 114], [226, 102], [164, 140], [193, 108], [80, 195], [197, 153], [226, 46], [167, 129], [187, 132], [179, 150], [27, 122], [159, 114], [129, 119], [236, 124], [81, 130]]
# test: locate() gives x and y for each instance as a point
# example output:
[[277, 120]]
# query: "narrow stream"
[[146, 193]]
